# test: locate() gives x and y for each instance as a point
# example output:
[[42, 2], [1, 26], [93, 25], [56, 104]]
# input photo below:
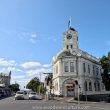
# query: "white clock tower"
[[70, 39], [74, 70]]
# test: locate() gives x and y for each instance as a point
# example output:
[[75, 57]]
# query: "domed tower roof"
[[72, 29]]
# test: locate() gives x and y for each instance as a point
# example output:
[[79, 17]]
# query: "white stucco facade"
[[75, 71]]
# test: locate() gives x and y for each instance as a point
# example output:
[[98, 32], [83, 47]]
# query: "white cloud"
[[7, 69], [34, 64], [5, 62], [33, 35], [38, 71], [46, 65], [21, 81], [18, 76], [28, 36], [32, 40], [29, 65]]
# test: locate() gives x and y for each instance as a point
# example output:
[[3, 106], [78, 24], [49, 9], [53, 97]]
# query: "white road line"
[[101, 108]]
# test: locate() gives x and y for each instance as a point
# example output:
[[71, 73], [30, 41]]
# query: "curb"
[[81, 102]]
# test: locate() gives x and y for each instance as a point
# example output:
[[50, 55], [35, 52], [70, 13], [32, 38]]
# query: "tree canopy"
[[14, 87], [34, 84], [105, 62]]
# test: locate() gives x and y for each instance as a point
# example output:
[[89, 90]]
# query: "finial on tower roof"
[[69, 23]]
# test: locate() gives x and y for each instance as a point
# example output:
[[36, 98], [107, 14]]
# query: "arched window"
[[95, 87], [98, 86], [103, 87], [85, 85], [90, 86]]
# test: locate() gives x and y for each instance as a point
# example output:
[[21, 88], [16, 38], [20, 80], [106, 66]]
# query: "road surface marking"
[[101, 108]]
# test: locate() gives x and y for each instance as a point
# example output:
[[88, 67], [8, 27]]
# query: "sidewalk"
[[5, 97], [71, 100]]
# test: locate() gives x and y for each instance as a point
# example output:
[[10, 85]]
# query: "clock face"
[[69, 36]]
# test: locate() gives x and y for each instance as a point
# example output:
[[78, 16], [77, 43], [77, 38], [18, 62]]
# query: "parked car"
[[19, 95], [34, 96]]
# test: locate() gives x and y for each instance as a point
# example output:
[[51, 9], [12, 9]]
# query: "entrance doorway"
[[68, 88], [70, 91]]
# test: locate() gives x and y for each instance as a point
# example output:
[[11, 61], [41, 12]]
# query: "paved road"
[[11, 104]]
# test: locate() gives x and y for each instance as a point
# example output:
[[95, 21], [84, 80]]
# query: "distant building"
[[75, 71], [5, 83]]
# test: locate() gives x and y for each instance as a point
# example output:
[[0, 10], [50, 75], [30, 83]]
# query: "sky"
[[31, 33]]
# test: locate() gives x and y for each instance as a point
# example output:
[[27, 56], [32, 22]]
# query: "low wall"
[[96, 97]]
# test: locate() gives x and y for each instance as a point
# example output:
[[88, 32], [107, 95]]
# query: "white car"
[[19, 95], [34, 95]]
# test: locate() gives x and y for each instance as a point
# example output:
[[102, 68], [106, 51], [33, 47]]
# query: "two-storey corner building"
[[75, 71]]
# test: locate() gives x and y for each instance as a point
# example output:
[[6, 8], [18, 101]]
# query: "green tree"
[[34, 84], [14, 87], [105, 62]]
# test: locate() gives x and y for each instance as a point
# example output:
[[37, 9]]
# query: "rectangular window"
[[66, 67], [71, 66], [97, 71], [89, 69], [90, 86], [93, 70], [67, 46], [84, 67], [85, 85]]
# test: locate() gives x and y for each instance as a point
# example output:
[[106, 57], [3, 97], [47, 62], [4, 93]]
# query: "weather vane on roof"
[[69, 23]]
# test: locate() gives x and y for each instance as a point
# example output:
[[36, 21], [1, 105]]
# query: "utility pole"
[[40, 84], [48, 74], [47, 92]]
